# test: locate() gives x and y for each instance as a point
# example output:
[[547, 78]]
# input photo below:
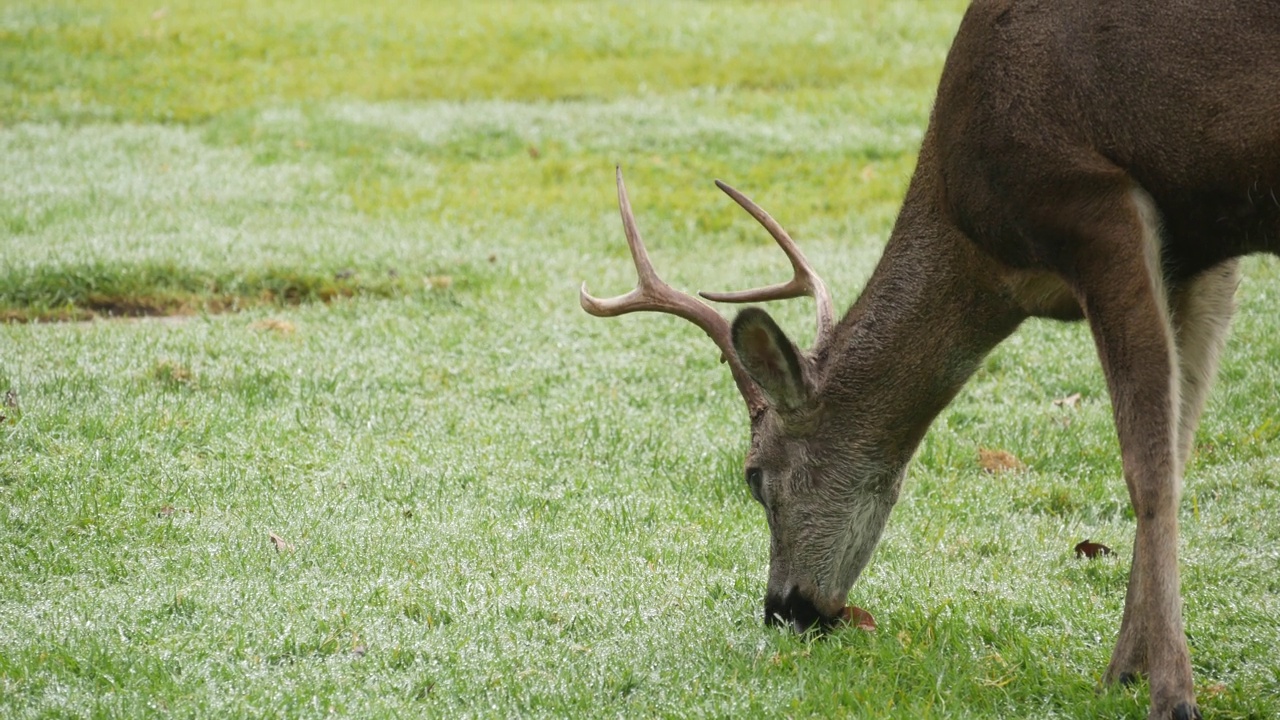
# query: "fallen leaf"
[[440, 282], [280, 544], [868, 173], [858, 617], [165, 511], [493, 257], [1092, 550], [284, 327], [998, 461], [1211, 691], [1069, 401], [533, 152], [172, 373]]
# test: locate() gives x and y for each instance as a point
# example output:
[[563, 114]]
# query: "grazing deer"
[[1084, 159]]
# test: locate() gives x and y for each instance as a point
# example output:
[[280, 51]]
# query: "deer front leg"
[[1123, 293], [1201, 312]]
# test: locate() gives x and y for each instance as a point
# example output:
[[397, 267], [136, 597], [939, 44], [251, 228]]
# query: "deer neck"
[[931, 311]]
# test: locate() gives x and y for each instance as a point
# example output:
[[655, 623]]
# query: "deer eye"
[[755, 481]]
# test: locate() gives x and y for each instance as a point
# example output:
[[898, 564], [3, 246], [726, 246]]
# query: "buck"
[[1105, 161]]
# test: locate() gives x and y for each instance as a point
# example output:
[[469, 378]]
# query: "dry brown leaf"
[[440, 282], [284, 327], [1211, 691], [868, 173], [1092, 550], [168, 371], [998, 461], [1070, 401], [281, 545], [857, 617], [533, 152]]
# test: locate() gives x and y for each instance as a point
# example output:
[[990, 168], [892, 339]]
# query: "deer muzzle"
[[794, 609]]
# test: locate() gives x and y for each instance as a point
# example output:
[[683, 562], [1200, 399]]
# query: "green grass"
[[187, 61], [497, 505]]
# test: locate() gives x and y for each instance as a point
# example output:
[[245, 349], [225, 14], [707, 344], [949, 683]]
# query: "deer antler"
[[652, 294], [805, 280]]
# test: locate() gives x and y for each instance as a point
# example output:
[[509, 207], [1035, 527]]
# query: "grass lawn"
[[357, 451]]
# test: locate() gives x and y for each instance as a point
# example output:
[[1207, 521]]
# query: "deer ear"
[[770, 358]]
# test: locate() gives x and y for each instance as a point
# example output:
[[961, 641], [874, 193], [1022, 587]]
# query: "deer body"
[[1084, 160]]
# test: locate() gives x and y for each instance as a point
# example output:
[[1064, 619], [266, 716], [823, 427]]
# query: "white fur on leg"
[[1152, 252], [1202, 311]]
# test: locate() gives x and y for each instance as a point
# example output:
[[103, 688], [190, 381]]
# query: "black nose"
[[792, 609]]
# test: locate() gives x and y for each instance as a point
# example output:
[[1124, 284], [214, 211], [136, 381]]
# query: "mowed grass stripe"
[[189, 61]]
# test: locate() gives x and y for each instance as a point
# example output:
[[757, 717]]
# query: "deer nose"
[[791, 608], [775, 611]]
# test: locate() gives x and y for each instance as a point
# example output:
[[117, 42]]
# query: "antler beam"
[[654, 295], [804, 281]]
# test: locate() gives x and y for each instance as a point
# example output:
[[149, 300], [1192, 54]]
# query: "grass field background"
[[364, 227]]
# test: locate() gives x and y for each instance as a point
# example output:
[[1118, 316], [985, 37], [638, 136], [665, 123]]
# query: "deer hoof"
[[1182, 711]]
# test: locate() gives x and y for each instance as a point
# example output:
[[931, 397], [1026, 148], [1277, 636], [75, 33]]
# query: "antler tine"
[[652, 294], [804, 281], [649, 289]]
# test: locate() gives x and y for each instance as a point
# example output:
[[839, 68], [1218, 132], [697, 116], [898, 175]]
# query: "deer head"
[[825, 502]]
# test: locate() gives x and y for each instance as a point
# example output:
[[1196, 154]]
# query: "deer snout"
[[793, 608]]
